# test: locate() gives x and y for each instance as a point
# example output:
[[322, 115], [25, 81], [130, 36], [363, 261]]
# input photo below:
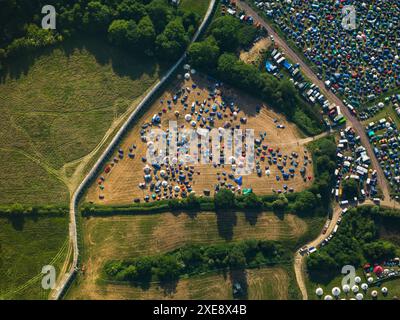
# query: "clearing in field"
[[26, 245], [57, 109], [280, 150], [120, 237], [254, 55]]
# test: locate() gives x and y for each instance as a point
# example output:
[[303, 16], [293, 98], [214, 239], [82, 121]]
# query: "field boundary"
[[70, 275]]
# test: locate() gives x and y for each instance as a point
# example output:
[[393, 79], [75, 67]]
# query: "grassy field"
[[26, 245], [121, 237], [56, 107], [197, 6], [386, 112]]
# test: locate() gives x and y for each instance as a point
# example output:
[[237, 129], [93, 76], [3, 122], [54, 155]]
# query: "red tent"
[[378, 270]]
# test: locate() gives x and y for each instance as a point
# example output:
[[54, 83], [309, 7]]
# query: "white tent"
[[364, 286], [319, 292], [328, 297], [346, 288], [357, 280], [374, 294], [384, 290], [188, 117], [359, 296], [354, 288], [336, 291]]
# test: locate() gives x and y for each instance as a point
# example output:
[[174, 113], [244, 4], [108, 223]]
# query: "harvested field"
[[263, 284], [121, 183], [120, 237], [254, 55]]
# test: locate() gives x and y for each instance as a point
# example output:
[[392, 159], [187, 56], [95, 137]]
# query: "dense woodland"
[[357, 241], [148, 27]]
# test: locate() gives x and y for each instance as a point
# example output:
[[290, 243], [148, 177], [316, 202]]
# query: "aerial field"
[[267, 283], [121, 184], [59, 106], [120, 237], [26, 245]]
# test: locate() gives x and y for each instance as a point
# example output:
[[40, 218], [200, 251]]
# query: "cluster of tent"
[[356, 292], [359, 63], [385, 138]]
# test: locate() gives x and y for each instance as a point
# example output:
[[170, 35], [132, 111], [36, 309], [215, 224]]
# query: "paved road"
[[68, 277], [309, 73]]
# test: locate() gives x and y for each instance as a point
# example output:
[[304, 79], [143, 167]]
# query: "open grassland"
[[26, 245], [57, 107], [121, 185], [119, 237]]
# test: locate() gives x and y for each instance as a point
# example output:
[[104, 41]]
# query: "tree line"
[[196, 259], [147, 27]]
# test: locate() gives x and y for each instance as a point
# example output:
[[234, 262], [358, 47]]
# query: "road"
[[309, 73], [299, 265], [74, 202]]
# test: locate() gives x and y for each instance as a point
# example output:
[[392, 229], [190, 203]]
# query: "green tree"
[[305, 203], [280, 204], [97, 16], [160, 14], [168, 268], [224, 30], [131, 10], [146, 35], [172, 42], [224, 199], [350, 189], [204, 54]]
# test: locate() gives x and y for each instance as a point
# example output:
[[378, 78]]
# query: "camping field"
[[119, 237], [121, 184], [58, 107], [26, 245]]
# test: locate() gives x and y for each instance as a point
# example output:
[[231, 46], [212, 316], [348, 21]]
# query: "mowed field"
[[119, 237], [121, 184], [59, 106], [26, 245]]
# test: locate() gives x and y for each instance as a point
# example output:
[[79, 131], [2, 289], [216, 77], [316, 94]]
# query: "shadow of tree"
[[226, 220], [123, 62], [239, 278]]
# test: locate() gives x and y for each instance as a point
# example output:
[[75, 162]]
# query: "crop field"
[[26, 245], [269, 283], [120, 237], [59, 106], [122, 184]]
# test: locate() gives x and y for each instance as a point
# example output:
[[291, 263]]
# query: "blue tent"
[[239, 180]]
